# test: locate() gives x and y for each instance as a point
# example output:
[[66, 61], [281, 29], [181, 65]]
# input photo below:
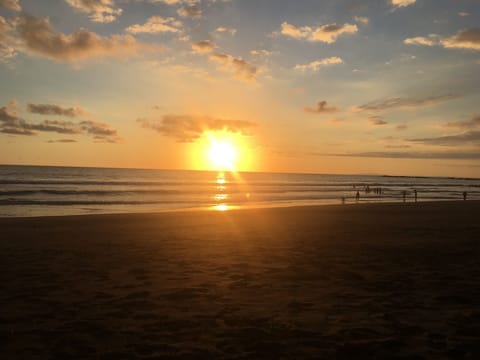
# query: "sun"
[[222, 155]]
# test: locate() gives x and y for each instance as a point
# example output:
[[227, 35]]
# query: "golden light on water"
[[221, 207]]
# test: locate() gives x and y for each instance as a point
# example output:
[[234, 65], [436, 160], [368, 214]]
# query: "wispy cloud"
[[402, 3], [11, 123], [64, 141], [377, 120], [315, 65], [405, 103], [468, 39], [321, 108], [466, 138], [242, 68], [225, 30], [192, 11], [203, 47], [40, 38], [324, 33], [156, 24], [98, 10], [361, 19], [430, 40], [7, 51], [474, 122], [464, 39], [11, 5], [53, 109], [188, 128], [410, 155]]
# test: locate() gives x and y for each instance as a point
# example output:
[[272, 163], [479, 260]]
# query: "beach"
[[359, 281]]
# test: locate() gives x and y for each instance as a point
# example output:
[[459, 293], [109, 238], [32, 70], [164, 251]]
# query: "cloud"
[[100, 131], [474, 122], [404, 103], [11, 5], [65, 141], [190, 11], [224, 30], [468, 39], [412, 155], [103, 11], [464, 39], [361, 19], [324, 33], [469, 137], [41, 39], [7, 115], [52, 109], [203, 47], [7, 51], [463, 13], [11, 123], [377, 120], [261, 53], [321, 108], [315, 65], [168, 2], [402, 3], [242, 68], [187, 128], [156, 24], [401, 127], [431, 40]]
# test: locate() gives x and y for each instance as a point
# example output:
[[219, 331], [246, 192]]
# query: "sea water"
[[48, 190]]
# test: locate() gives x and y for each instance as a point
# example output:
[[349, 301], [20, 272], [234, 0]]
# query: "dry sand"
[[396, 281]]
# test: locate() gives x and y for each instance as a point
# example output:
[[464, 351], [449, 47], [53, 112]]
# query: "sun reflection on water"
[[220, 197]]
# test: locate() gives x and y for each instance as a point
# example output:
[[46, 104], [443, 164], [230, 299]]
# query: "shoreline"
[[229, 208]]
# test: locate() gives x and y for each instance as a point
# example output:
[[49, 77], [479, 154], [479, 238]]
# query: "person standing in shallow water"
[[464, 195], [415, 193], [357, 196]]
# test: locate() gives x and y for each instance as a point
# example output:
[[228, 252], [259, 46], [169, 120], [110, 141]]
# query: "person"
[[357, 196], [404, 194], [464, 195], [415, 193]]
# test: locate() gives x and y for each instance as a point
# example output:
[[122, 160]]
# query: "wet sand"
[[396, 281]]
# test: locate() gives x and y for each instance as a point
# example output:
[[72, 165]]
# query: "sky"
[[312, 86]]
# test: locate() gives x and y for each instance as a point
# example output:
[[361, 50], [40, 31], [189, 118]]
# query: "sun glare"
[[222, 155]]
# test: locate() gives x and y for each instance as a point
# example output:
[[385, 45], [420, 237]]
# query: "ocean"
[[49, 190]]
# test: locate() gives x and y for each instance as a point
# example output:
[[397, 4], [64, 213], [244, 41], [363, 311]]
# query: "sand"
[[396, 281]]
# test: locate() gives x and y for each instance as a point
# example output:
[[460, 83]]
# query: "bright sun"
[[222, 155]]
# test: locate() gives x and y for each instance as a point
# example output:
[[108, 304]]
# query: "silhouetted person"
[[415, 193], [464, 195], [357, 196], [404, 194], [343, 199]]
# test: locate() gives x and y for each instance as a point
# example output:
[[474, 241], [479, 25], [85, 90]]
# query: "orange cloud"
[[188, 128], [156, 24], [315, 65], [203, 47], [40, 38], [242, 68], [321, 108], [98, 10], [325, 33]]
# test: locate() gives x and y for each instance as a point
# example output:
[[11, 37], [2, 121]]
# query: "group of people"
[[379, 191]]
